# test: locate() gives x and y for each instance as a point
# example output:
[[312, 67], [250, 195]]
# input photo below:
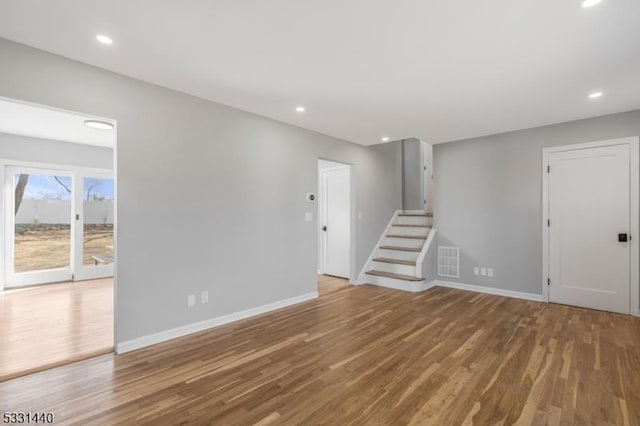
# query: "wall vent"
[[449, 262]]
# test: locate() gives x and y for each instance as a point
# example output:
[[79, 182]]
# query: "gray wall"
[[235, 183], [23, 148], [412, 175], [488, 197]]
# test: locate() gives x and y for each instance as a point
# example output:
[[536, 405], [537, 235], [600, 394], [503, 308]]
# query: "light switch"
[[483, 271], [476, 270], [308, 217], [489, 272]]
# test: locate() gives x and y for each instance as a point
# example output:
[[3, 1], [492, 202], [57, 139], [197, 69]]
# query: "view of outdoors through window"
[[43, 221]]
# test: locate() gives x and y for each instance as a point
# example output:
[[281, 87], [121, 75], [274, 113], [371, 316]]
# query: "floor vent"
[[449, 262]]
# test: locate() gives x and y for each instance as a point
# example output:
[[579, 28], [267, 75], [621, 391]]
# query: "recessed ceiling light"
[[300, 108], [589, 3], [95, 124], [104, 39], [385, 139], [595, 95]]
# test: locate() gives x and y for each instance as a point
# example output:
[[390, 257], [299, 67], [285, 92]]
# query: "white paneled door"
[[335, 204], [589, 227]]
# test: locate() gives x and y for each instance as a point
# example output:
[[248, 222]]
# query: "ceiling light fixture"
[[104, 39], [589, 3], [300, 109], [385, 139], [101, 125], [595, 95]]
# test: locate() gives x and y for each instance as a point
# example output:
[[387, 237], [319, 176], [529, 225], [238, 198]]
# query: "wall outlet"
[[204, 297], [489, 272], [483, 271], [191, 300], [476, 270]]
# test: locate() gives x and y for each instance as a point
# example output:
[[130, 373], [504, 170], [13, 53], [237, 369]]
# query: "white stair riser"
[[413, 286], [409, 230], [403, 242], [397, 254], [395, 268], [414, 220]]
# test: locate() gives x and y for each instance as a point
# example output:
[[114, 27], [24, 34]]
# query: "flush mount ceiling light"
[[595, 95], [385, 139], [300, 108], [589, 3], [104, 39], [101, 125]]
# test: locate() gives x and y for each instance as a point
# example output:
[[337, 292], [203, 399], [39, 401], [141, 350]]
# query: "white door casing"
[[335, 199], [589, 199]]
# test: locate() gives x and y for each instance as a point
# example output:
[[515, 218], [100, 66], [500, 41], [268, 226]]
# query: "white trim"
[[387, 230], [488, 290], [163, 336], [423, 252], [634, 214]]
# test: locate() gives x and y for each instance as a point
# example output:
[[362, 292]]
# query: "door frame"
[[23, 279], [352, 217], [634, 213]]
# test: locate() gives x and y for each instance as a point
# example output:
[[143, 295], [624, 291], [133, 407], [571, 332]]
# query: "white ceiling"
[[436, 70], [32, 120]]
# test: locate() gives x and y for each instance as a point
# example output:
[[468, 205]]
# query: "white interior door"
[[336, 226], [589, 204]]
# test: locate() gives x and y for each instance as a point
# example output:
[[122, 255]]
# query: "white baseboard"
[[163, 336], [488, 290]]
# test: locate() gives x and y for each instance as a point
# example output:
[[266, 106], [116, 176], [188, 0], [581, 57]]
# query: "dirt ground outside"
[[47, 246]]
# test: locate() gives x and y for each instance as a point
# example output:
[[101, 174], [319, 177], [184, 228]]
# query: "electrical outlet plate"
[[489, 272], [191, 300], [483, 271], [476, 270], [204, 297]]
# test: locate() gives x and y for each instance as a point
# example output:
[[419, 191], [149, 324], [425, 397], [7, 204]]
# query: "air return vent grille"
[[449, 262]]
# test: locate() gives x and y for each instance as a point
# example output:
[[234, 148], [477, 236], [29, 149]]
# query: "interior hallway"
[[50, 325]]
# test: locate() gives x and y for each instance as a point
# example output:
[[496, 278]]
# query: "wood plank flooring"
[[328, 284], [49, 325], [365, 355]]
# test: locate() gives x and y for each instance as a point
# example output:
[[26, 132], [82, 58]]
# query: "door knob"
[[324, 228], [623, 238]]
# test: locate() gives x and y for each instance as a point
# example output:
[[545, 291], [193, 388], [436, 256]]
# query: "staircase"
[[396, 262]]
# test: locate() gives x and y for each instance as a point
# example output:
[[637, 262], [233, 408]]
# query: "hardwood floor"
[[328, 284], [54, 324], [365, 355]]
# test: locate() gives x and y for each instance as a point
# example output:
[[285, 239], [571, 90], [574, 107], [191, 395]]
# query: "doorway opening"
[[334, 226], [58, 240]]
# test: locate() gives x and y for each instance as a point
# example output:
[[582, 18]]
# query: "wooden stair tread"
[[413, 237], [416, 214], [398, 248], [394, 276], [411, 226], [396, 261]]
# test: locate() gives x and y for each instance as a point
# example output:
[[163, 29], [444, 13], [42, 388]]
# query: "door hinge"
[[548, 169], [548, 222], [548, 281]]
